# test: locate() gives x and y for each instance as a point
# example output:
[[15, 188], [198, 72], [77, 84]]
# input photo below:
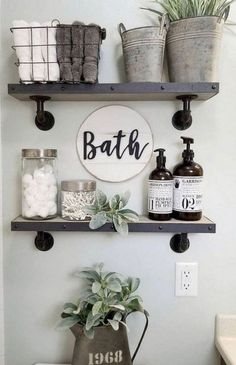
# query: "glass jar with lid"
[[75, 195], [39, 183]]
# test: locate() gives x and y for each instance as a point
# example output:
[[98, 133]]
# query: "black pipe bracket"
[[182, 119], [179, 243], [44, 120], [43, 241]]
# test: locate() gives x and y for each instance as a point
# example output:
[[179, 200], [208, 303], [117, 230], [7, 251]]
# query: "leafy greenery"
[[180, 9], [104, 210], [106, 299]]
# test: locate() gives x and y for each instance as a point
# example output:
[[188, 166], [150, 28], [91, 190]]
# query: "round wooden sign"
[[115, 143]]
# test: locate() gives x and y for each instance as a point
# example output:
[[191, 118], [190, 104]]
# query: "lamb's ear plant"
[[107, 299], [181, 9], [112, 210]]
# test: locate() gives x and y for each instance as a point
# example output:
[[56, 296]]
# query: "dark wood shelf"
[[137, 91], [205, 225]]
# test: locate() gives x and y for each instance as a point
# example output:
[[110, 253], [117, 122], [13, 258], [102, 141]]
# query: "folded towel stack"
[[53, 53], [49, 51], [21, 33], [78, 51], [35, 46]]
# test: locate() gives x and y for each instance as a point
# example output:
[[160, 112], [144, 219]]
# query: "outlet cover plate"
[[186, 284]]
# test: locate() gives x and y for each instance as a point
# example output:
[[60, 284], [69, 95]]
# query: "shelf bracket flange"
[[180, 243], [43, 241], [182, 119], [44, 120]]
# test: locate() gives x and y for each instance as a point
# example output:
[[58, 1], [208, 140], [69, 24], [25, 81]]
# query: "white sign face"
[[115, 143]]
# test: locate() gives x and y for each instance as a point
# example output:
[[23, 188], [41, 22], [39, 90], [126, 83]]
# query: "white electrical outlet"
[[186, 276]]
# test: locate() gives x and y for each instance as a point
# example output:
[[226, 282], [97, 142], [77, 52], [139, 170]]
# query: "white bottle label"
[[160, 196], [188, 193]]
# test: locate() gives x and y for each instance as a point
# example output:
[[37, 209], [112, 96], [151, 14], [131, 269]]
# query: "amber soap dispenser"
[[188, 180], [160, 190]]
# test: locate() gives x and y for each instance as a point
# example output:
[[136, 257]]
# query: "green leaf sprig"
[[107, 299], [112, 210]]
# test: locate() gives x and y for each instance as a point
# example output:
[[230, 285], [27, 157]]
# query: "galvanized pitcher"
[[107, 347]]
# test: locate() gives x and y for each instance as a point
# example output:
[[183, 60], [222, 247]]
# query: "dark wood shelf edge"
[[57, 224], [122, 91]]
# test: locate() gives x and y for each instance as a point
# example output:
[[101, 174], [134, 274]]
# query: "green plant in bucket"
[[106, 299], [182, 9]]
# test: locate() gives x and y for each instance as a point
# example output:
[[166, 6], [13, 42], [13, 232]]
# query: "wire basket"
[[58, 53]]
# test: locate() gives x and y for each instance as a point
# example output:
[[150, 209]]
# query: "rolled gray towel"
[[77, 53], [92, 42], [63, 38]]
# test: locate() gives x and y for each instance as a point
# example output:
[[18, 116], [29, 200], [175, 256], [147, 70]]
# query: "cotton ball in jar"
[[30, 191], [30, 213], [43, 212], [48, 169], [42, 189], [52, 192], [53, 209], [27, 179], [50, 179], [39, 176], [29, 199]]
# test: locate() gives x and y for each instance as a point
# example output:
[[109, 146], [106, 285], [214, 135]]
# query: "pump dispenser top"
[[160, 159], [188, 154]]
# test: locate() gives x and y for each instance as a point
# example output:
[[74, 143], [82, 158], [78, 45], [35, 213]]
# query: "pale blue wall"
[[37, 284]]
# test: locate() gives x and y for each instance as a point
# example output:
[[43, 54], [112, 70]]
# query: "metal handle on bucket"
[[121, 28], [164, 23], [142, 336]]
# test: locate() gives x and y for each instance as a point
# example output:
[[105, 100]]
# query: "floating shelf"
[[179, 242], [204, 225], [137, 91], [133, 91]]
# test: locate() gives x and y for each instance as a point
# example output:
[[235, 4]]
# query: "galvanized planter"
[[143, 51], [107, 347], [193, 49]]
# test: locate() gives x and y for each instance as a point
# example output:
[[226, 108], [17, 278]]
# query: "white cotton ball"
[[52, 193], [53, 210], [48, 168], [42, 189], [27, 192], [27, 179], [51, 204], [29, 199], [43, 212], [36, 206], [25, 207], [39, 176], [52, 189], [29, 213], [31, 190], [30, 185], [51, 179], [37, 197], [47, 179]]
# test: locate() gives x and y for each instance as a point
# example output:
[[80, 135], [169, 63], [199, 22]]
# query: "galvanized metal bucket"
[[107, 347], [193, 48], [143, 51]]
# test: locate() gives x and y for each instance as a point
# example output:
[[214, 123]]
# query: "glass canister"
[[39, 183], [75, 195]]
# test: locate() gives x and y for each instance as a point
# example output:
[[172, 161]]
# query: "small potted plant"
[[98, 319], [194, 38]]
